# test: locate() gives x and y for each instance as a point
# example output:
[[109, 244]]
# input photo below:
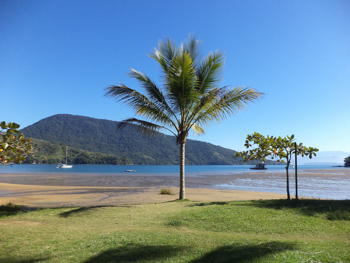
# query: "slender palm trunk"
[[182, 171], [288, 194]]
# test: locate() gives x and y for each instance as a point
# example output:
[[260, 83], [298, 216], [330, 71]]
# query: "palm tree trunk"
[[182, 171]]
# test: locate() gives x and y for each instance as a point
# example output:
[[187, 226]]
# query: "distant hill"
[[47, 152], [97, 135], [325, 158]]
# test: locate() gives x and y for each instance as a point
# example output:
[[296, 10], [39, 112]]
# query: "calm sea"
[[332, 187], [146, 169]]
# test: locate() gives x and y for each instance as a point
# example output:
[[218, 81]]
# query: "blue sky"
[[58, 56]]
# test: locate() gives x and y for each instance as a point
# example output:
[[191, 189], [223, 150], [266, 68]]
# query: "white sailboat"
[[65, 165]]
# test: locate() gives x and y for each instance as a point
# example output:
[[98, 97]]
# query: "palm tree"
[[188, 99]]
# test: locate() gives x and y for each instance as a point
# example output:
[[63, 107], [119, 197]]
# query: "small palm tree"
[[188, 99]]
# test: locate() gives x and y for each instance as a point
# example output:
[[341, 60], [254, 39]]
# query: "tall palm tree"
[[188, 99]]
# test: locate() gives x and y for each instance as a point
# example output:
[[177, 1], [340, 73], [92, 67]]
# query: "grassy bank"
[[259, 231]]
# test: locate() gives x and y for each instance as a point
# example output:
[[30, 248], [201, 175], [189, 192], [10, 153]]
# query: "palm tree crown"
[[189, 98]]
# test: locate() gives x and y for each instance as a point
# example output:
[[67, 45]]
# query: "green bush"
[[166, 191]]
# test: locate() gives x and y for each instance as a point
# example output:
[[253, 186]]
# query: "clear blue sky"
[[57, 56]]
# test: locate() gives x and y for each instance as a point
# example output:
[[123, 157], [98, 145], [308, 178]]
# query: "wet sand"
[[59, 190]]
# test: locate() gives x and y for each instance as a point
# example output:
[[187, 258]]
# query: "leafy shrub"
[[166, 191]]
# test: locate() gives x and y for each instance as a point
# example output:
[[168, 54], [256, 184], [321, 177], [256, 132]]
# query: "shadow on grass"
[[134, 253], [209, 203], [246, 253], [329, 209], [84, 209], [77, 211], [10, 209], [232, 253]]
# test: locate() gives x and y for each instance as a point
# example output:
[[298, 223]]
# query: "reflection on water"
[[327, 188]]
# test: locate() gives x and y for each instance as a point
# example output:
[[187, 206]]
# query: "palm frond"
[[227, 104], [157, 55], [154, 93], [197, 130], [140, 103], [181, 79], [205, 101], [145, 127], [209, 71], [129, 96], [165, 53], [192, 47]]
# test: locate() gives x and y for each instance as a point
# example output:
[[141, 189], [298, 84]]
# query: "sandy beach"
[[59, 190]]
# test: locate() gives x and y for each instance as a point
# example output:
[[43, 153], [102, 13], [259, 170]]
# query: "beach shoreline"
[[59, 190], [68, 196]]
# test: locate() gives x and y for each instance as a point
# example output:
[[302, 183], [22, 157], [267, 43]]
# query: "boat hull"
[[64, 166], [259, 166]]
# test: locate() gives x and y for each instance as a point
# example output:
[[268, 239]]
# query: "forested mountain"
[[46, 152], [97, 135]]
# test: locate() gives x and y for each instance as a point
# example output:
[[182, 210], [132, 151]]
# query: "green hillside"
[[46, 152], [97, 135]]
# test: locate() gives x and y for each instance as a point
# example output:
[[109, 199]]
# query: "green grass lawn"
[[256, 231]]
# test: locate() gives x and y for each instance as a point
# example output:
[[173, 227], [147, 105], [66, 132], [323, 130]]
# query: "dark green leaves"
[[13, 147], [274, 147], [347, 161]]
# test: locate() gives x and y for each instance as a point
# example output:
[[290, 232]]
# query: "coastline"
[[57, 190], [67, 196]]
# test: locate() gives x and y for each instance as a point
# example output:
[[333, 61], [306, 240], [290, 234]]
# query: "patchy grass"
[[256, 231], [10, 209], [166, 191]]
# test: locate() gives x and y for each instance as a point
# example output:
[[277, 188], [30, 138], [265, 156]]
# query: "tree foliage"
[[14, 147], [189, 98], [282, 149], [47, 152], [347, 161]]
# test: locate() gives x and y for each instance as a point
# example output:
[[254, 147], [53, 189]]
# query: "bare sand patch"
[[61, 196]]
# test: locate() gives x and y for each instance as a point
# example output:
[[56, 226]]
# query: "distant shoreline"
[[149, 169]]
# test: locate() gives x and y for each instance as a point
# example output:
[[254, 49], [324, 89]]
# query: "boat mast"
[[66, 153]]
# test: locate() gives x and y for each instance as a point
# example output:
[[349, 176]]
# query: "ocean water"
[[191, 170], [332, 186], [327, 187]]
